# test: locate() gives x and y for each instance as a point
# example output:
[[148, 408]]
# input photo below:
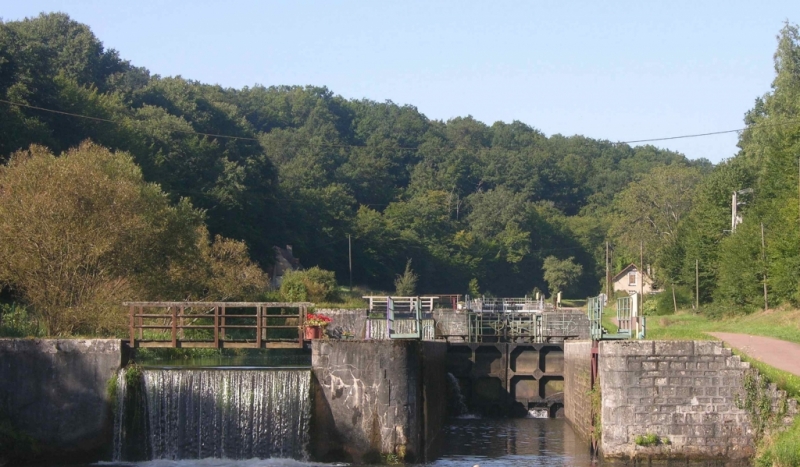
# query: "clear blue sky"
[[610, 70]]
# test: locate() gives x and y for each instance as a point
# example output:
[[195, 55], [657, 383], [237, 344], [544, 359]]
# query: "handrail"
[[247, 330]]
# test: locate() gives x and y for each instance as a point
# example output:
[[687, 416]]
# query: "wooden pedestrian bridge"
[[272, 325]]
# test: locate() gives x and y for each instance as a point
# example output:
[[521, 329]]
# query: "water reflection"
[[512, 442]]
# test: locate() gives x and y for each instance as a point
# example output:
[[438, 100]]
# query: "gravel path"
[[774, 352]]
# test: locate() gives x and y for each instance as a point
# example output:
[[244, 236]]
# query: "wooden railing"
[[217, 324]]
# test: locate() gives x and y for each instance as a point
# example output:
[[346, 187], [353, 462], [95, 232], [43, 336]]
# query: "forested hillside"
[[739, 268], [466, 201]]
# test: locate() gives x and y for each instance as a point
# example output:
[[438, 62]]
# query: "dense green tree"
[[303, 166], [82, 232], [560, 273]]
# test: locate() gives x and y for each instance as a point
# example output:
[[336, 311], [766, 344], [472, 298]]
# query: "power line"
[[339, 145], [790, 122]]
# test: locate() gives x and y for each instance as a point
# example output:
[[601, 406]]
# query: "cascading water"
[[199, 413], [458, 405]]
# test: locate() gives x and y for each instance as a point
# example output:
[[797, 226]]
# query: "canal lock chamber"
[[508, 379]]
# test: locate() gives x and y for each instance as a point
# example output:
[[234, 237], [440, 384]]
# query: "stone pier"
[[376, 398]]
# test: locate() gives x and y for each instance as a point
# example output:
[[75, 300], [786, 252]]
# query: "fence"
[[217, 324]]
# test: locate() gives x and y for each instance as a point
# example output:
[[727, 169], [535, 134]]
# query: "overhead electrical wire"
[[244, 138]]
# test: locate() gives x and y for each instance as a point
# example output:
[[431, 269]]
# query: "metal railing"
[[506, 305], [403, 316], [381, 303], [217, 324]]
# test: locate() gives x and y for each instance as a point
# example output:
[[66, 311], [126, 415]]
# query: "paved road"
[[774, 352]]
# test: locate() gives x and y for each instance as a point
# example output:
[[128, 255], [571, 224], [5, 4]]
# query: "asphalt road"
[[774, 352]]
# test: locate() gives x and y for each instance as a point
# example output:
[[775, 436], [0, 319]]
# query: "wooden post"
[[764, 259], [141, 323], [216, 327], [674, 301], [175, 325], [302, 325], [222, 326], [350, 260], [258, 326], [640, 305], [697, 284], [133, 327], [608, 276]]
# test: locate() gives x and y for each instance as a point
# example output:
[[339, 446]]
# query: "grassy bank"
[[780, 448], [779, 324]]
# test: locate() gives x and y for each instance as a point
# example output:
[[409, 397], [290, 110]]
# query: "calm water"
[[466, 442], [512, 442]]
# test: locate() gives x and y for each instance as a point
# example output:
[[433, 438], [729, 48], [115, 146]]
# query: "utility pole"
[[641, 276], [734, 203], [608, 277], [350, 260], [697, 284], [764, 259]]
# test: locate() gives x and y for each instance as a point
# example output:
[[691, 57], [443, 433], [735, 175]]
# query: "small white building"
[[631, 280]]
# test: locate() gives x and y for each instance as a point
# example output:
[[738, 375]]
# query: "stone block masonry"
[[688, 393], [578, 385], [376, 397]]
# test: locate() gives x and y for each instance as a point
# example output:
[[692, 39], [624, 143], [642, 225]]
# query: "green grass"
[[650, 439], [782, 449], [784, 380], [609, 314], [779, 324], [574, 303]]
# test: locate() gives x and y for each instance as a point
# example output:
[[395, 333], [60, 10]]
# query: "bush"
[[315, 284], [73, 250], [16, 321], [406, 285], [662, 304]]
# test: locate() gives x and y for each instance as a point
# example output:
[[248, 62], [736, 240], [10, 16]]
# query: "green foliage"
[[15, 445], [76, 250], [734, 267], [560, 274], [473, 288], [649, 439], [16, 321], [405, 285], [782, 450], [649, 210], [463, 199], [663, 304], [314, 284], [112, 389]]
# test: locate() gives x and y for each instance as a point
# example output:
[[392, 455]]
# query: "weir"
[[224, 413]]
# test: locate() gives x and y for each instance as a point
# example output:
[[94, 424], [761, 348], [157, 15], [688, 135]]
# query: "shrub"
[[649, 439], [84, 231], [406, 285], [315, 284], [16, 321]]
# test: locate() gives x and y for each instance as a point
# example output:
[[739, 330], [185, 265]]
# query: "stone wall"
[[54, 390], [578, 386], [452, 325], [351, 320], [376, 397], [434, 382], [686, 392]]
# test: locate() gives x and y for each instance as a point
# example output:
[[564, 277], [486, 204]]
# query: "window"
[[632, 278]]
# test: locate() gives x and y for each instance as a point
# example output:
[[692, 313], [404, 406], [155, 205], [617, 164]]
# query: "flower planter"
[[313, 332]]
